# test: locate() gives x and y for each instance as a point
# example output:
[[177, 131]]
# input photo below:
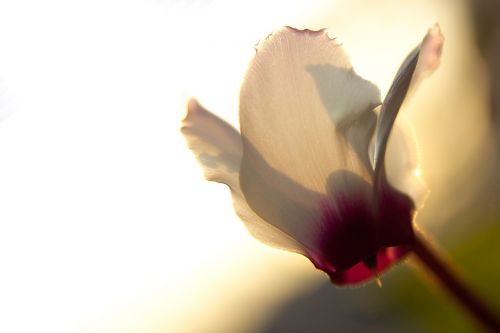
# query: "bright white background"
[[105, 222]]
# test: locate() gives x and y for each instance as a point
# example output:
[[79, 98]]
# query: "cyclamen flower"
[[313, 170]]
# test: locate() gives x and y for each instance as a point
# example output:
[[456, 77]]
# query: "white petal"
[[217, 146], [422, 61], [260, 229], [306, 118]]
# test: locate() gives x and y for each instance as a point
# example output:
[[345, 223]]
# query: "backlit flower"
[[313, 170]]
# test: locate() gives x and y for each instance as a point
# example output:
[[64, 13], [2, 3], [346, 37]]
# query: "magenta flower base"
[[363, 271]]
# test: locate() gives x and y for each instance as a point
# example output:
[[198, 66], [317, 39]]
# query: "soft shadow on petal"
[[280, 200], [337, 231], [217, 146], [359, 134], [290, 119], [349, 101], [344, 94]]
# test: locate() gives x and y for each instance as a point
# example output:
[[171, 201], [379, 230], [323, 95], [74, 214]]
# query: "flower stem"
[[454, 285]]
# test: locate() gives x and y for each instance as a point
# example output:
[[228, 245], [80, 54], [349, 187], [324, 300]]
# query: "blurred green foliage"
[[476, 254]]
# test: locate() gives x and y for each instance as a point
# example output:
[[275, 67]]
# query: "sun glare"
[[106, 221]]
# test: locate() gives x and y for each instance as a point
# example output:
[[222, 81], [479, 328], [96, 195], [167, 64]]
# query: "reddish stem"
[[450, 281]]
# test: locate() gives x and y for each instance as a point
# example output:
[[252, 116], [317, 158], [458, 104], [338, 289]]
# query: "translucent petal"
[[422, 61], [389, 110], [217, 146], [430, 54], [304, 115]]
